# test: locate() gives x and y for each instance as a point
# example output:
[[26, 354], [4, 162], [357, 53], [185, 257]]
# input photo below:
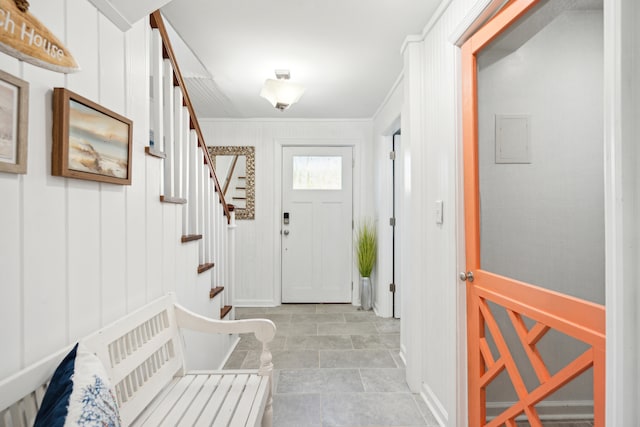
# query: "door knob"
[[466, 276], [286, 232]]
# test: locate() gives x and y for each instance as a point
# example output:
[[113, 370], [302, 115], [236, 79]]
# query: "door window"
[[317, 172]]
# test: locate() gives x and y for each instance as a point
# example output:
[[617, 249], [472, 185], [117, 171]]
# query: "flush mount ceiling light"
[[281, 93]]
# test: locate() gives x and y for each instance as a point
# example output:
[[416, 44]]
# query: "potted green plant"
[[366, 251]]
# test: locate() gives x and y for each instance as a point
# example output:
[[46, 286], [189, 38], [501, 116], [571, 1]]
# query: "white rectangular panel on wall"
[[83, 256], [513, 138], [136, 202], [82, 44], [83, 197], [45, 238], [11, 229], [113, 201]]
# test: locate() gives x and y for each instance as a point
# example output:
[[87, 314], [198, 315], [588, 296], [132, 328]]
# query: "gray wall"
[[543, 222]]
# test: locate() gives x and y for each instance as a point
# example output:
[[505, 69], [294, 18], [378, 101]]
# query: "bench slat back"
[[142, 352], [22, 393]]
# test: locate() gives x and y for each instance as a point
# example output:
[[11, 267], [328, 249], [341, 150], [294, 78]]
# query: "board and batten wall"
[[76, 255], [258, 241]]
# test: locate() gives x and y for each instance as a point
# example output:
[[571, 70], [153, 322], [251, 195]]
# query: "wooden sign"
[[24, 37]]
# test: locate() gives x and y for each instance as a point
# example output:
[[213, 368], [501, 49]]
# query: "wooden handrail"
[[156, 21]]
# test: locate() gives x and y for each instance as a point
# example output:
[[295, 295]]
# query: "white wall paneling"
[[11, 249], [83, 197], [112, 203], [44, 237], [429, 151], [412, 262], [76, 254], [137, 61], [257, 281]]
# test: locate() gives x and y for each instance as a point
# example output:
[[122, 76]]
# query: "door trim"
[[576, 318], [618, 313], [279, 143]]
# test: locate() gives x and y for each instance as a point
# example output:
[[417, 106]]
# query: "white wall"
[[75, 255], [258, 241], [431, 139]]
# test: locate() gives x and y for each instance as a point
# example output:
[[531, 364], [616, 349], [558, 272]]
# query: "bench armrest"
[[263, 329]]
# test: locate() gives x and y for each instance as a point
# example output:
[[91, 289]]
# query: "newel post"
[[231, 254]]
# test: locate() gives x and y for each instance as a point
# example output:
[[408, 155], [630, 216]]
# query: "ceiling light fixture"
[[281, 93]]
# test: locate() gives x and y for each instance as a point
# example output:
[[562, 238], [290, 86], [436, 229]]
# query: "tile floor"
[[334, 366], [337, 366]]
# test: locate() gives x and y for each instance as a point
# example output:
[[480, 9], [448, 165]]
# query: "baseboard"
[[403, 354], [254, 303], [434, 405], [553, 410], [228, 355]]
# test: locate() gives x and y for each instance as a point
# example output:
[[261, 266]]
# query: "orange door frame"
[[574, 317]]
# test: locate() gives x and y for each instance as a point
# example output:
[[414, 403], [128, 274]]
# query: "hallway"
[[334, 366]]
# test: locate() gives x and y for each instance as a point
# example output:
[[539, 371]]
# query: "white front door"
[[316, 221]]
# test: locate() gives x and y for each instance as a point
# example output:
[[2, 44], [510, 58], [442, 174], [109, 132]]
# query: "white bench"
[[143, 356]]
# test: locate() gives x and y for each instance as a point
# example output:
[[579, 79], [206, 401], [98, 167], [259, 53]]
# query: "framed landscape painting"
[[89, 141], [14, 111]]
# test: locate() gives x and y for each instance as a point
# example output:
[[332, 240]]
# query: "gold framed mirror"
[[235, 168]]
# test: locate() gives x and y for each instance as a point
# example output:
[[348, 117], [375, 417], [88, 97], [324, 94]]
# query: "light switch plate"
[[438, 212]]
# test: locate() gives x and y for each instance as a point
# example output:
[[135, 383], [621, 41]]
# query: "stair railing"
[[188, 172]]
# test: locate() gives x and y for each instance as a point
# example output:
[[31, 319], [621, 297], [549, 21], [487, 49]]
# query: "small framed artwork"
[[14, 111], [89, 141]]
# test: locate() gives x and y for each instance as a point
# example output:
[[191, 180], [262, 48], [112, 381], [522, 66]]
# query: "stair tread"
[[204, 267], [190, 238], [224, 311], [215, 291]]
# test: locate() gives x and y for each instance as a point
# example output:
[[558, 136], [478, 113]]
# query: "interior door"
[[317, 220], [534, 212], [397, 285]]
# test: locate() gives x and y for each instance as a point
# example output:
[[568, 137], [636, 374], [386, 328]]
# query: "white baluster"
[[167, 89], [230, 284], [207, 215], [194, 199], [156, 121], [186, 143], [178, 134], [202, 204]]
